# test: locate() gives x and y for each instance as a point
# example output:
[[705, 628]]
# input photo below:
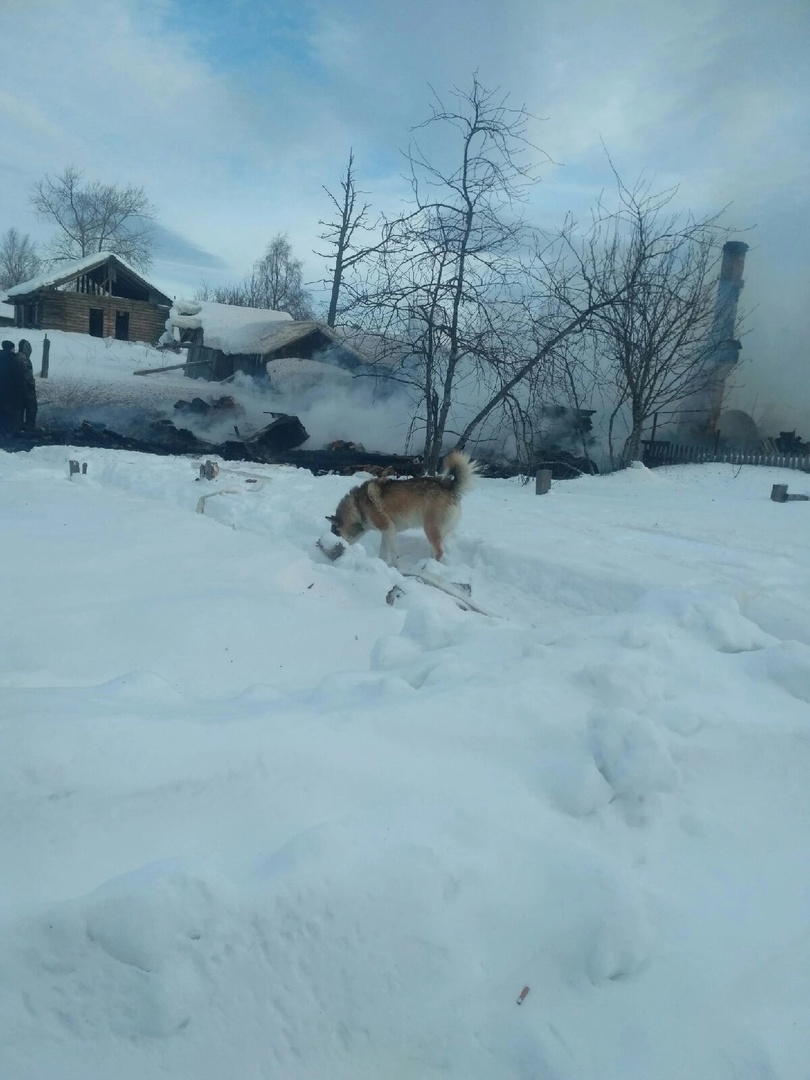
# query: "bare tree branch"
[[275, 282], [95, 217], [18, 259]]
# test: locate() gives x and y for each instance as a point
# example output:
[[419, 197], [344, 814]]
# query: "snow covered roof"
[[226, 327], [381, 350], [64, 272], [248, 331], [278, 336]]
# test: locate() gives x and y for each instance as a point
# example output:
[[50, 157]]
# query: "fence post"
[[46, 349], [542, 482]]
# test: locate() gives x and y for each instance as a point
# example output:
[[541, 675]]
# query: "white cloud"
[[234, 137]]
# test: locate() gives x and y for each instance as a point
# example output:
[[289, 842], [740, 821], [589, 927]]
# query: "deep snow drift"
[[258, 823]]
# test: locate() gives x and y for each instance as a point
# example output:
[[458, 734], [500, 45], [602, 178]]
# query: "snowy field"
[[257, 823]]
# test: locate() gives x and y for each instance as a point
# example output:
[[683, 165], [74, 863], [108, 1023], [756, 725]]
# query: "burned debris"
[[220, 406], [278, 443], [791, 443], [284, 433]]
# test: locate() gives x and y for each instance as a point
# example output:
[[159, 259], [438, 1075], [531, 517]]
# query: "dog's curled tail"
[[459, 472]]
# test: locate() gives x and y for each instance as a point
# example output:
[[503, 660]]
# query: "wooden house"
[[100, 295], [6, 313]]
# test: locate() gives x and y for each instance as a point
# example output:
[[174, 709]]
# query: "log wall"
[[71, 311], [213, 365]]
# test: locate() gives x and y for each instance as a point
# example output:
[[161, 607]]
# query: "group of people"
[[18, 392]]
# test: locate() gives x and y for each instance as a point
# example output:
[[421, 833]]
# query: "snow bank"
[[260, 822]]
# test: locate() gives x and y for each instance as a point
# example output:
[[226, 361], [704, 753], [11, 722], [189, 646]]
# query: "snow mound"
[[139, 686], [712, 616], [133, 958], [786, 665], [631, 753]]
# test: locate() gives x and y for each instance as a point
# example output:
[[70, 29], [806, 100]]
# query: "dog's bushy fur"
[[391, 506]]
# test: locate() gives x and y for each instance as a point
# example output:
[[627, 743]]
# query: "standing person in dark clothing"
[[30, 387], [18, 393]]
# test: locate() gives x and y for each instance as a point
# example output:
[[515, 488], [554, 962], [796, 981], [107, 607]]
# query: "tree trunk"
[[632, 445], [336, 280]]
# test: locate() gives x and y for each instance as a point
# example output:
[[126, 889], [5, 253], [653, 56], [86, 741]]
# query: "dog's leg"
[[434, 535], [388, 545]]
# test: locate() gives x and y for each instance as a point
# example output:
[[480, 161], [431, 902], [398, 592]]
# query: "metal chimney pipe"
[[729, 287], [702, 411]]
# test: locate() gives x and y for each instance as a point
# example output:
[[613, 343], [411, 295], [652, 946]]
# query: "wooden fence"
[[668, 453]]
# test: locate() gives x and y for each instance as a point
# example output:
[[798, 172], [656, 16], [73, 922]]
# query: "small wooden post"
[[655, 426], [46, 349], [542, 483]]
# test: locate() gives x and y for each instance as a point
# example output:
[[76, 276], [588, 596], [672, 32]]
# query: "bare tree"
[[275, 282], [445, 280], [93, 217], [350, 218], [656, 347], [493, 318], [482, 305], [18, 259], [623, 311], [239, 294]]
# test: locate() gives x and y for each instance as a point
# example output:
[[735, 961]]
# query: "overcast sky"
[[233, 113]]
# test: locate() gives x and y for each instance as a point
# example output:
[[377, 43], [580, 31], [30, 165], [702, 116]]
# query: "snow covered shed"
[[6, 313], [222, 339], [100, 295]]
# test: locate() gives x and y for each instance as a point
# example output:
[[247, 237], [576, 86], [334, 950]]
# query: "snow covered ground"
[[257, 823]]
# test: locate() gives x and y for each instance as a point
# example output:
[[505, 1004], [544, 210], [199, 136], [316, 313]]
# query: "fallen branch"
[[171, 367], [451, 588]]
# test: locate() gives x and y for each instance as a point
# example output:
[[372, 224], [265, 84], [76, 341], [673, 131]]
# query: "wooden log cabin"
[[100, 295]]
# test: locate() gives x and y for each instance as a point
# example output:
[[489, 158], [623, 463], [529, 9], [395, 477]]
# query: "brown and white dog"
[[391, 506]]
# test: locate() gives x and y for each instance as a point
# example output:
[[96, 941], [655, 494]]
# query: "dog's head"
[[347, 522]]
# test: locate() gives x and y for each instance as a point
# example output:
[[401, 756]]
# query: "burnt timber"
[[164, 439]]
